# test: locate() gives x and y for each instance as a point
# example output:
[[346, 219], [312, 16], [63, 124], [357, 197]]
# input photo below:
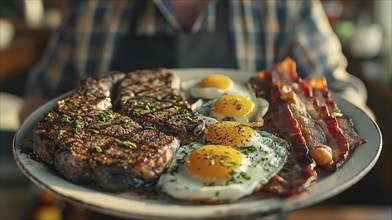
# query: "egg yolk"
[[227, 133], [213, 162], [217, 81], [237, 106]]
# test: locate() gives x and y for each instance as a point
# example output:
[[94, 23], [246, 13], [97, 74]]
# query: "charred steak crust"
[[88, 141], [152, 100]]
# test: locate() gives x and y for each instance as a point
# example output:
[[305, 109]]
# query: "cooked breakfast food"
[[152, 100], [230, 161], [213, 86], [240, 108], [87, 140], [302, 112], [125, 131]]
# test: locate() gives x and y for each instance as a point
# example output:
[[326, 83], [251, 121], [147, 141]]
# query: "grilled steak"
[[87, 141], [151, 100]]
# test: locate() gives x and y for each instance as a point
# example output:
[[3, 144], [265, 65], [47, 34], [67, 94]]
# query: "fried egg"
[[234, 107], [213, 86], [230, 162]]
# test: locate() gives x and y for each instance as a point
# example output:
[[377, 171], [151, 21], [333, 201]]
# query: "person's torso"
[[180, 49]]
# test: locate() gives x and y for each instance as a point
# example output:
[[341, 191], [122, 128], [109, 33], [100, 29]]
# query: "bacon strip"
[[339, 129], [298, 173], [303, 113], [337, 142], [346, 126]]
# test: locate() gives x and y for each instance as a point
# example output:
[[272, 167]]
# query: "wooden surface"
[[18, 56], [24, 51]]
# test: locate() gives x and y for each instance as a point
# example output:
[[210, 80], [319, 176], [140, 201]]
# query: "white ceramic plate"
[[135, 205]]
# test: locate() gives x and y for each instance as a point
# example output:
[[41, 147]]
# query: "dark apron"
[[180, 50]]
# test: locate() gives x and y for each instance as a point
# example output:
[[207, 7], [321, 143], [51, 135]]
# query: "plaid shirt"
[[263, 32]]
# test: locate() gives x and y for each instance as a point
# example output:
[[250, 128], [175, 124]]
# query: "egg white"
[[263, 157], [192, 88]]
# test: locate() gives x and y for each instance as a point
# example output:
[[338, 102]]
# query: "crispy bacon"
[[316, 107], [302, 112], [345, 125], [298, 173]]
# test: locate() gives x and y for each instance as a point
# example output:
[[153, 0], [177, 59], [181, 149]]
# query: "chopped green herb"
[[209, 184], [148, 106], [155, 82], [129, 144], [126, 143], [78, 124], [110, 114], [245, 176], [228, 164], [151, 127], [60, 132], [171, 120], [95, 131], [151, 107], [249, 150], [98, 149], [261, 94], [264, 134], [50, 115], [66, 119], [186, 112], [189, 119], [187, 115], [135, 113], [102, 117], [232, 173], [105, 116], [336, 110]]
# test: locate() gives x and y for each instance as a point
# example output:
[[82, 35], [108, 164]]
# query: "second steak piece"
[[151, 98]]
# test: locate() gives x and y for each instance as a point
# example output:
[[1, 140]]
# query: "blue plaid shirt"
[[264, 32]]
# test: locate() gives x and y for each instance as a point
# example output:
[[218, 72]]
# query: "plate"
[[133, 204]]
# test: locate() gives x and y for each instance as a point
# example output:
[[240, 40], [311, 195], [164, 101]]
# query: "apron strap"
[[222, 16], [138, 10]]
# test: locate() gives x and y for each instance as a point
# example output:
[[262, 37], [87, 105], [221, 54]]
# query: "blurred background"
[[363, 27]]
